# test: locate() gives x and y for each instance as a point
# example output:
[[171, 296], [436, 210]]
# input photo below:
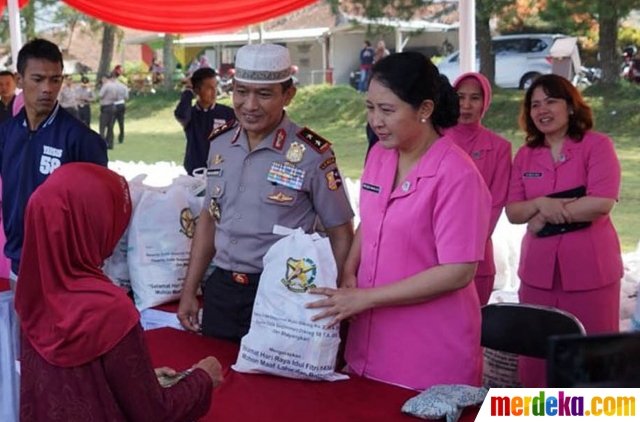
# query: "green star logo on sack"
[[300, 275]]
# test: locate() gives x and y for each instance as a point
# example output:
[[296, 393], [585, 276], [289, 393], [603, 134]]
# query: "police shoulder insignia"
[[316, 141], [222, 129]]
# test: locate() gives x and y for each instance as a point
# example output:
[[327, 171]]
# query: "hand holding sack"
[[282, 339]]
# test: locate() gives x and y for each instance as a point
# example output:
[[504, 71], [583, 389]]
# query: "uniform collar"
[[430, 161], [199, 107], [9, 105], [273, 141], [543, 153], [426, 167]]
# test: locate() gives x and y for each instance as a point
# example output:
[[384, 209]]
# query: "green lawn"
[[338, 114]]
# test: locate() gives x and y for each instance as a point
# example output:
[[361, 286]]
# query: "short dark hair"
[[200, 75], [41, 49], [368, 43], [6, 73], [413, 78], [555, 86], [286, 84], [84, 80]]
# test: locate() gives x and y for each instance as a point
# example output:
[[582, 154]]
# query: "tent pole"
[[14, 31], [399, 43], [467, 35]]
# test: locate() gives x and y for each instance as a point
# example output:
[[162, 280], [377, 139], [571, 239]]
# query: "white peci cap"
[[263, 64]]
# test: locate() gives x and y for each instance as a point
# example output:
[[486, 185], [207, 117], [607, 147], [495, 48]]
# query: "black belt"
[[240, 278]]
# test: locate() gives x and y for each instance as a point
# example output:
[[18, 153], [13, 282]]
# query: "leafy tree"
[[485, 10], [570, 17], [106, 54], [628, 35], [167, 58], [28, 17], [522, 16], [405, 9], [579, 16], [70, 18]]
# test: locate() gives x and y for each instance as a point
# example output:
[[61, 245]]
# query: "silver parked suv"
[[519, 59]]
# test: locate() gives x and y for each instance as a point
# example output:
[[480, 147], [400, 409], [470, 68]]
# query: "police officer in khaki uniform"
[[263, 170]]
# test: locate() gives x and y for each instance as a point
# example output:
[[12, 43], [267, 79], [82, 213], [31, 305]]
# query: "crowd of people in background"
[[412, 277]]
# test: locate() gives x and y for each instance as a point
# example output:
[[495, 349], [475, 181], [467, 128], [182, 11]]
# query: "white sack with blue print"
[[282, 339], [159, 240]]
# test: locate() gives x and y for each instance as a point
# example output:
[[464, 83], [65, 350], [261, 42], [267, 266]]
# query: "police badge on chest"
[[214, 210]]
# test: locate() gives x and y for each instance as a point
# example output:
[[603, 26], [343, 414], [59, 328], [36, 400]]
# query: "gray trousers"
[[107, 118], [84, 114], [13, 279], [119, 117]]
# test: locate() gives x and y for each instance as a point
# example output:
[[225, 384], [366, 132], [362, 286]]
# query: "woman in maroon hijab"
[[83, 353]]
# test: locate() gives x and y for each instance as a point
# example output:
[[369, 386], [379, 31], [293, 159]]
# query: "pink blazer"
[[588, 258]]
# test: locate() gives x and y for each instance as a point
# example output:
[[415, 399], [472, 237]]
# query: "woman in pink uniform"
[[491, 154], [579, 269], [425, 214]]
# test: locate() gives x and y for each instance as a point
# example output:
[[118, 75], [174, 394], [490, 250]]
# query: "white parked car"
[[519, 59]]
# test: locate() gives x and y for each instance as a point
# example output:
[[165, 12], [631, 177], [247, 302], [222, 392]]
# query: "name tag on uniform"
[[371, 188], [218, 122], [532, 175], [214, 172], [286, 174]]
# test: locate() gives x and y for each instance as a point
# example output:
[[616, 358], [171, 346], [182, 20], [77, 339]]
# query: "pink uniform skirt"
[[597, 309]]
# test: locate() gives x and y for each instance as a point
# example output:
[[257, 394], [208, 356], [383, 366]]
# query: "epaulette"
[[226, 127], [316, 141]]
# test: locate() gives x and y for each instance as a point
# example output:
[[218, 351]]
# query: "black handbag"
[[554, 229]]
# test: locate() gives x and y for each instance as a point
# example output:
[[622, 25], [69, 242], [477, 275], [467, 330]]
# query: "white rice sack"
[[159, 241], [116, 267], [282, 339]]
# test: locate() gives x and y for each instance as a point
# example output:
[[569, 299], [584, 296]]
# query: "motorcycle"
[[587, 77], [628, 53], [633, 74]]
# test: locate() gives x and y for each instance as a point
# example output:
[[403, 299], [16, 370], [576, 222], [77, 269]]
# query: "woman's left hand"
[[339, 303], [536, 223]]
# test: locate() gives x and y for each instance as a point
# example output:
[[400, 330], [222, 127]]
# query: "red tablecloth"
[[266, 398]]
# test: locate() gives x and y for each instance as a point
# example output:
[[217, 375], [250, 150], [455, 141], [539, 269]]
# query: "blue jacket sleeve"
[[92, 149], [182, 112]]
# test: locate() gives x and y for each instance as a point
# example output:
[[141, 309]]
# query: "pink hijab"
[[467, 135], [18, 103]]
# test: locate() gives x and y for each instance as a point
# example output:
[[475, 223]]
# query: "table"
[[9, 383], [161, 316], [266, 398]]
